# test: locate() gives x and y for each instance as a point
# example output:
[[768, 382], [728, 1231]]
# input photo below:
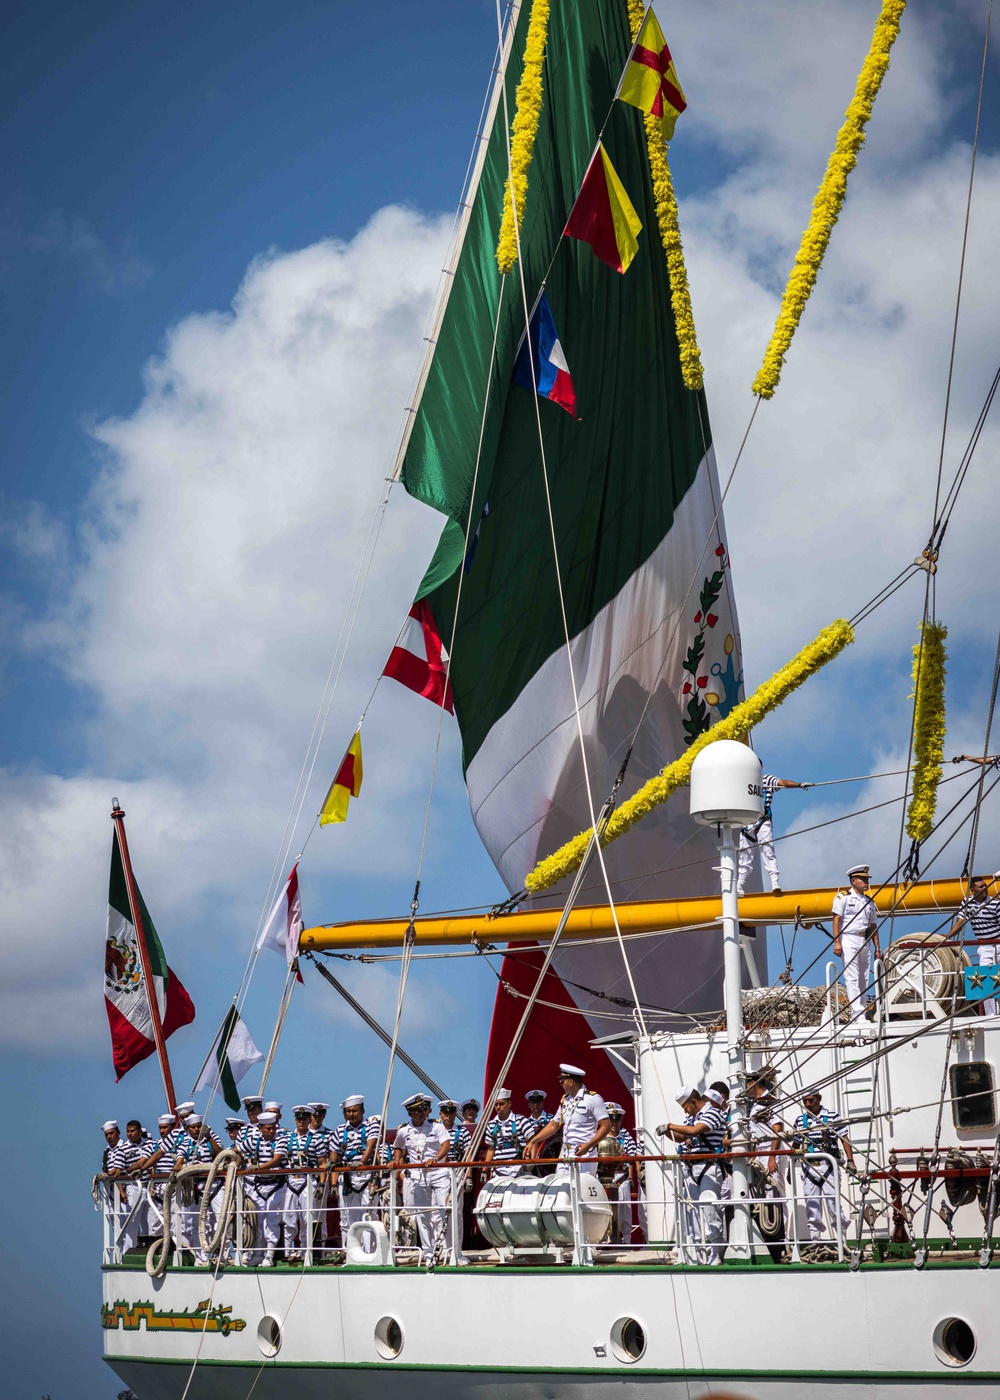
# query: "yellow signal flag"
[[650, 81], [346, 784]]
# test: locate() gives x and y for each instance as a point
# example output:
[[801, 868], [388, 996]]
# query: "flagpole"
[[118, 817]]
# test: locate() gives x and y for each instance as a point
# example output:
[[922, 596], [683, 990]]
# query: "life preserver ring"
[[367, 1242]]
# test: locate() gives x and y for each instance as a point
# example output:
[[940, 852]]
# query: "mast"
[[159, 1040]]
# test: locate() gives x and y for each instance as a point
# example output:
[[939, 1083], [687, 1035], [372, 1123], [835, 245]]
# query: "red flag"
[[419, 660]]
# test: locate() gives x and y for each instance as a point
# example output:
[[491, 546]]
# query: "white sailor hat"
[[536, 1094], [195, 1118], [573, 1070], [715, 1097], [318, 1107], [302, 1110], [502, 1094], [447, 1103], [688, 1092], [165, 1118], [266, 1118], [235, 1123], [352, 1101], [109, 1125], [613, 1107], [187, 1107], [859, 870], [416, 1099], [272, 1106], [251, 1099]]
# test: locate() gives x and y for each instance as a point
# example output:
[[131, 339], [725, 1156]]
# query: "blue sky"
[[190, 466]]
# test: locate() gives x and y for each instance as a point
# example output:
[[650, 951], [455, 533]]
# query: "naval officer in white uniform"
[[855, 934], [582, 1118], [417, 1146]]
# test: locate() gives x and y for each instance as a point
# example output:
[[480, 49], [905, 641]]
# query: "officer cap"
[[187, 1107], [536, 1094], [268, 1118], [688, 1092], [573, 1070], [319, 1107], [272, 1106], [252, 1099], [353, 1101], [503, 1094], [303, 1110], [858, 870], [714, 1096], [416, 1099], [614, 1109], [109, 1125], [447, 1103], [235, 1123], [471, 1103]]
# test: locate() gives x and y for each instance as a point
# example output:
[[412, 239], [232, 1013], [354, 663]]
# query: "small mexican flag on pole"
[[134, 962], [234, 1054]]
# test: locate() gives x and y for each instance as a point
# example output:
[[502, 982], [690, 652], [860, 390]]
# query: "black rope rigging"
[[970, 855]]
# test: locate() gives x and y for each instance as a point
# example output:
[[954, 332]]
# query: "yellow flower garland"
[[829, 197], [736, 725], [524, 129], [928, 728], [670, 234]]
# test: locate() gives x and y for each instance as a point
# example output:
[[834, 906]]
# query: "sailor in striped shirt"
[[352, 1145], [628, 1185], [506, 1135], [982, 910], [305, 1149], [760, 836], [195, 1145], [702, 1131]]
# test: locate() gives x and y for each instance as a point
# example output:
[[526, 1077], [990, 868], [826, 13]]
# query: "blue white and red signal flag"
[[551, 378]]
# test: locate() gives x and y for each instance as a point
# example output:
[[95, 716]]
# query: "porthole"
[[388, 1338], [954, 1342], [269, 1335], [628, 1339]]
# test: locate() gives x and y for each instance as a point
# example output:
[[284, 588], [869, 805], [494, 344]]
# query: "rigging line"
[[558, 569], [885, 595], [962, 470], [970, 859], [823, 951], [961, 271]]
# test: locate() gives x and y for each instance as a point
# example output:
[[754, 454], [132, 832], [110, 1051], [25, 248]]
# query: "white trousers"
[[353, 1205], [295, 1219], [430, 1201], [623, 1211], [765, 844], [987, 958], [270, 1204], [132, 1213], [704, 1223], [857, 966], [818, 1188]]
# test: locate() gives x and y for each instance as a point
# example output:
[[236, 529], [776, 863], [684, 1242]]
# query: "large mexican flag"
[[124, 989], [636, 514]]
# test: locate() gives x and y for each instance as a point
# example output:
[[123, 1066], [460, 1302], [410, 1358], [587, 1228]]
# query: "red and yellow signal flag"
[[603, 215], [650, 81], [346, 784]]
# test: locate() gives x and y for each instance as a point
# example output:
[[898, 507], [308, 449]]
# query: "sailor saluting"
[[582, 1118], [855, 930]]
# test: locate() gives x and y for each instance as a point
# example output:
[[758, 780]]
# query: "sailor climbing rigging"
[[760, 836]]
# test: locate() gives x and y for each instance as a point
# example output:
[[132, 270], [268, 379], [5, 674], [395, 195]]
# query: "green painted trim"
[[612, 1370]]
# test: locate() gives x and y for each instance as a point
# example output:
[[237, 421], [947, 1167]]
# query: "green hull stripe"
[[616, 1371], [617, 476]]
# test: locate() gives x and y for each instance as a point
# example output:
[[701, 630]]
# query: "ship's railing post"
[[310, 1217], [582, 1251], [105, 1208], [393, 1213]]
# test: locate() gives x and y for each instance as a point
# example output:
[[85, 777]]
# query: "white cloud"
[[102, 265]]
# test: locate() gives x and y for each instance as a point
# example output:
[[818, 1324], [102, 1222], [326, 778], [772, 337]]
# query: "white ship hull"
[[759, 1333]]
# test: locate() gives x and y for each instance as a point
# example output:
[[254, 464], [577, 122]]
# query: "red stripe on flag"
[[661, 63], [345, 777], [128, 1045], [417, 675], [590, 218]]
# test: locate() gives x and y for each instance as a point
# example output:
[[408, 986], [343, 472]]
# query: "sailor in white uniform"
[[352, 1145], [760, 836], [302, 1151], [417, 1143], [628, 1187], [855, 934], [134, 1148], [582, 1118], [195, 1145], [254, 1106], [702, 1132], [817, 1131]]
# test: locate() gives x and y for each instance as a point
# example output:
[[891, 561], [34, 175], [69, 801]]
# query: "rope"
[[970, 859]]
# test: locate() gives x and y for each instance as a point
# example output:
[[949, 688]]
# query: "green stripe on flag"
[[229, 1090]]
